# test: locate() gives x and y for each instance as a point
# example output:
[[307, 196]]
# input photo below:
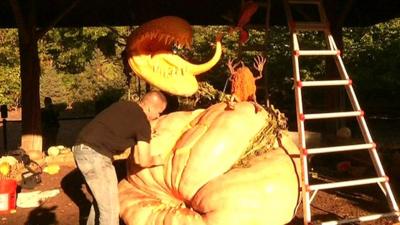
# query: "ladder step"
[[323, 83], [350, 183], [315, 52], [362, 218], [309, 26], [340, 148], [331, 115], [304, 1]]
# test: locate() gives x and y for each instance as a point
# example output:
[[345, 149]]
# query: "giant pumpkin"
[[221, 167]]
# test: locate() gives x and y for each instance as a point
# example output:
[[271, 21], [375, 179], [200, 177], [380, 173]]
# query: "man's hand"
[[143, 156]]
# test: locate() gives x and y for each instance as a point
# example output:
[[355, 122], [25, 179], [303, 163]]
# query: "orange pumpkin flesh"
[[149, 49], [198, 184]]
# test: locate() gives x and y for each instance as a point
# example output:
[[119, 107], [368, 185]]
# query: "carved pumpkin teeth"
[[150, 55], [167, 41]]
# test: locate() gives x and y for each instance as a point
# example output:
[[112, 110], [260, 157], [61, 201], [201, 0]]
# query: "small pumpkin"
[[5, 168], [52, 169], [206, 178], [53, 151], [9, 159]]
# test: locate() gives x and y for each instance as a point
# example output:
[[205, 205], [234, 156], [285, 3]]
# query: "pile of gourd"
[[222, 166], [10, 168]]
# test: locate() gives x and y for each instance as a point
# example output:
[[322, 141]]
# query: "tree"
[[10, 86], [52, 85], [374, 61], [103, 82]]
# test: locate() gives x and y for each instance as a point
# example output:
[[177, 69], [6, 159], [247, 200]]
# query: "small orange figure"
[[243, 82]]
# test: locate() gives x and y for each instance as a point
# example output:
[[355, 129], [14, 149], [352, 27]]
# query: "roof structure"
[[197, 12]]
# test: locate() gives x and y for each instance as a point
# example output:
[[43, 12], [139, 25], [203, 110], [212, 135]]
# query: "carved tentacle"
[[259, 62], [232, 67]]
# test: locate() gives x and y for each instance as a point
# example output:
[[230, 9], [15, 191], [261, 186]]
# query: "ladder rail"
[[361, 121], [365, 132], [300, 123], [381, 180], [301, 133]]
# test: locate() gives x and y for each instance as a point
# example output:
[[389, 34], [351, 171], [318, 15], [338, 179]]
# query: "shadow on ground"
[[75, 188], [42, 216]]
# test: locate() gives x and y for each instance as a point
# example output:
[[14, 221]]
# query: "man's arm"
[[143, 157]]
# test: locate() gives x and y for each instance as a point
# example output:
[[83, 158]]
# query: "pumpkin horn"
[[201, 68]]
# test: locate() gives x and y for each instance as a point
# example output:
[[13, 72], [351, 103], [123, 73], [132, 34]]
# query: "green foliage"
[[9, 55], [203, 49], [61, 46], [373, 59], [10, 86], [103, 80], [71, 48], [277, 78], [52, 85]]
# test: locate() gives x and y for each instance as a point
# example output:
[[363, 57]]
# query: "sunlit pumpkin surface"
[[151, 56], [202, 181]]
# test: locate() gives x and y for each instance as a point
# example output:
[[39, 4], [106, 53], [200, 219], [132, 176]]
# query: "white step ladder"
[[310, 190]]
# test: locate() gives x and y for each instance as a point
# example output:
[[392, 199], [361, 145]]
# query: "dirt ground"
[[71, 205]]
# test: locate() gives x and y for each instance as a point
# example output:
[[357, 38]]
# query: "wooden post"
[[28, 35], [31, 139], [4, 115], [5, 134]]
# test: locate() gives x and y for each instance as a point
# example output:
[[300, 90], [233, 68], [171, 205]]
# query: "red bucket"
[[8, 195]]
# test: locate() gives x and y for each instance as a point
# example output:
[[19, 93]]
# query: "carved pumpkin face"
[[201, 184], [149, 49]]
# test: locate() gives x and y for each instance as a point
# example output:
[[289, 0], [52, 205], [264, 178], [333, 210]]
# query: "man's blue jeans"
[[101, 178]]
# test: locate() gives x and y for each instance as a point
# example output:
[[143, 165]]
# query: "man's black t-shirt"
[[116, 128]]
